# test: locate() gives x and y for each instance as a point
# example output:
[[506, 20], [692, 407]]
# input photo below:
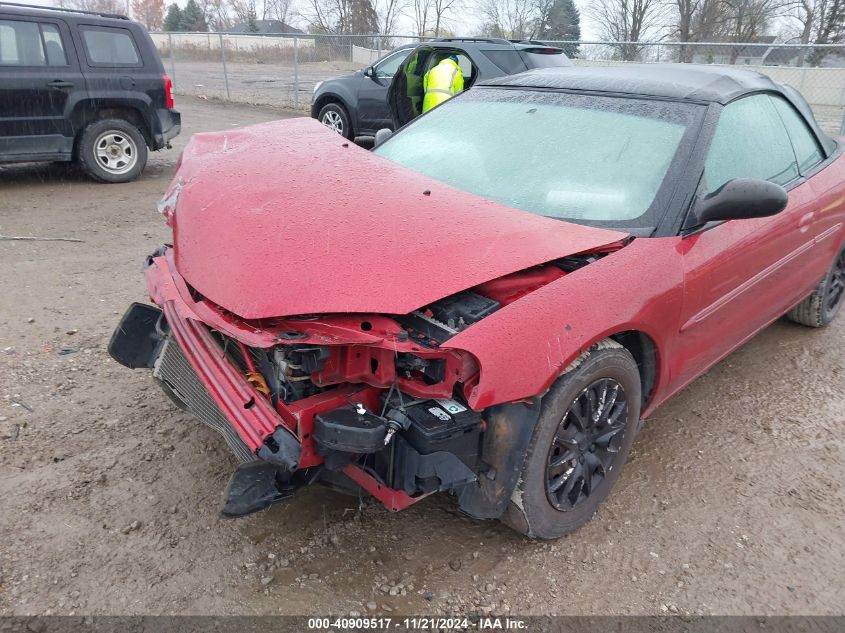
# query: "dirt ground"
[[732, 501]]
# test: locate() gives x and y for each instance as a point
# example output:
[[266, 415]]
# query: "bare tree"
[[100, 6], [628, 21], [280, 10], [805, 13], [515, 19], [150, 13], [217, 14], [243, 10], [697, 21], [442, 10], [324, 15], [819, 22], [421, 13], [543, 10], [747, 20], [388, 13], [343, 17]]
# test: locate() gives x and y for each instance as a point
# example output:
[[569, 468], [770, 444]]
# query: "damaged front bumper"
[[273, 443], [188, 362], [188, 342]]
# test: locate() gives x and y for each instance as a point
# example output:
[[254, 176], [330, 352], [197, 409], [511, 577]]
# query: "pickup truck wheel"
[[586, 427], [335, 117], [821, 306], [112, 150]]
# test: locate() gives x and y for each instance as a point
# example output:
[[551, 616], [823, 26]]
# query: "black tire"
[[824, 302], [334, 116], [531, 510], [112, 151]]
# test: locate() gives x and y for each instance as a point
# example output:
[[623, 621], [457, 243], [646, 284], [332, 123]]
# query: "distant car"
[[357, 104], [493, 300], [82, 86]]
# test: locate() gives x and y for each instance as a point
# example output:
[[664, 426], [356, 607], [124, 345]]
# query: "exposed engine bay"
[[374, 400]]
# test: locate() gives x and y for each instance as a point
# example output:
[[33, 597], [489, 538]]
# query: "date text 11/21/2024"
[[417, 623]]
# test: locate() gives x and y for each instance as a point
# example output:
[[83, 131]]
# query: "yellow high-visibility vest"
[[441, 83]]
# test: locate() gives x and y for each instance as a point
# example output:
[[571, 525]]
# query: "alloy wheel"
[[333, 121], [586, 444], [836, 285]]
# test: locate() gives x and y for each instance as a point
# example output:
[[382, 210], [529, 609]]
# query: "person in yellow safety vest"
[[442, 82]]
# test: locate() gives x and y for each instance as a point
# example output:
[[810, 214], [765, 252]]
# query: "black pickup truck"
[[84, 87]]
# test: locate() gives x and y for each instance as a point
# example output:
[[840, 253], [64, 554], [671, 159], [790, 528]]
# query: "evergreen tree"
[[193, 19], [251, 18], [173, 20], [563, 22], [363, 18]]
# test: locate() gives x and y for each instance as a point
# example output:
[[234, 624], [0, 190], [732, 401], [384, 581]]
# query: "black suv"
[[81, 86], [358, 104]]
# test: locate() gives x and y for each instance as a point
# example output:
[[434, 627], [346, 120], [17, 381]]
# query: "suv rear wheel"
[[112, 150]]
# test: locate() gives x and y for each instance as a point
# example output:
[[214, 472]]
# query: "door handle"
[[58, 83]]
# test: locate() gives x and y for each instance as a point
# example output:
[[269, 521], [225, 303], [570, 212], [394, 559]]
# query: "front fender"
[[522, 348], [342, 89]]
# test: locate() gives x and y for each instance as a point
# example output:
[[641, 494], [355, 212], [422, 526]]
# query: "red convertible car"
[[490, 301]]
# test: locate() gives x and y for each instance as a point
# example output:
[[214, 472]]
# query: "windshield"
[[589, 159]]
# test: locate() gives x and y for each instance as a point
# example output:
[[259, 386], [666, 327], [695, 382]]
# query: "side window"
[[110, 47], [750, 142], [53, 45], [807, 149], [466, 67], [464, 61], [20, 44], [388, 67], [508, 61]]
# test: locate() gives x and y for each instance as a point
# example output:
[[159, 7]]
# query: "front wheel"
[[586, 427], [335, 117], [821, 306], [112, 150]]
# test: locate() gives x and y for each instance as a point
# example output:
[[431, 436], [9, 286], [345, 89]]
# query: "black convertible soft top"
[[682, 82]]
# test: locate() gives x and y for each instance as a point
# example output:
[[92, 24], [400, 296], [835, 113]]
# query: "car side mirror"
[[382, 135], [739, 199], [370, 72]]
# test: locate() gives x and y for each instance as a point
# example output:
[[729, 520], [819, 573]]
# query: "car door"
[[39, 80], [113, 61], [823, 221], [405, 94], [742, 274], [373, 111]]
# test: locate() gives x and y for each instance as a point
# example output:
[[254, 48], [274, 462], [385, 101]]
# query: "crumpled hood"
[[289, 218]]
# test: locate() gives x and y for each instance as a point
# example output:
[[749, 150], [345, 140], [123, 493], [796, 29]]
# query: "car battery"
[[444, 425]]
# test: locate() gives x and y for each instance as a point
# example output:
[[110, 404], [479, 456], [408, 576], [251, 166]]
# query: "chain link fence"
[[282, 70]]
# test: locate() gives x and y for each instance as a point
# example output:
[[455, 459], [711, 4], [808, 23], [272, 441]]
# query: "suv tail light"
[[168, 91], [544, 50]]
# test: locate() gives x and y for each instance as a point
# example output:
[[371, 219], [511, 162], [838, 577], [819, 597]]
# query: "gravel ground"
[[731, 503]]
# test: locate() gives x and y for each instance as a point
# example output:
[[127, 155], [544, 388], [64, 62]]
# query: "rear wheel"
[[585, 430], [821, 306], [112, 150], [335, 117]]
